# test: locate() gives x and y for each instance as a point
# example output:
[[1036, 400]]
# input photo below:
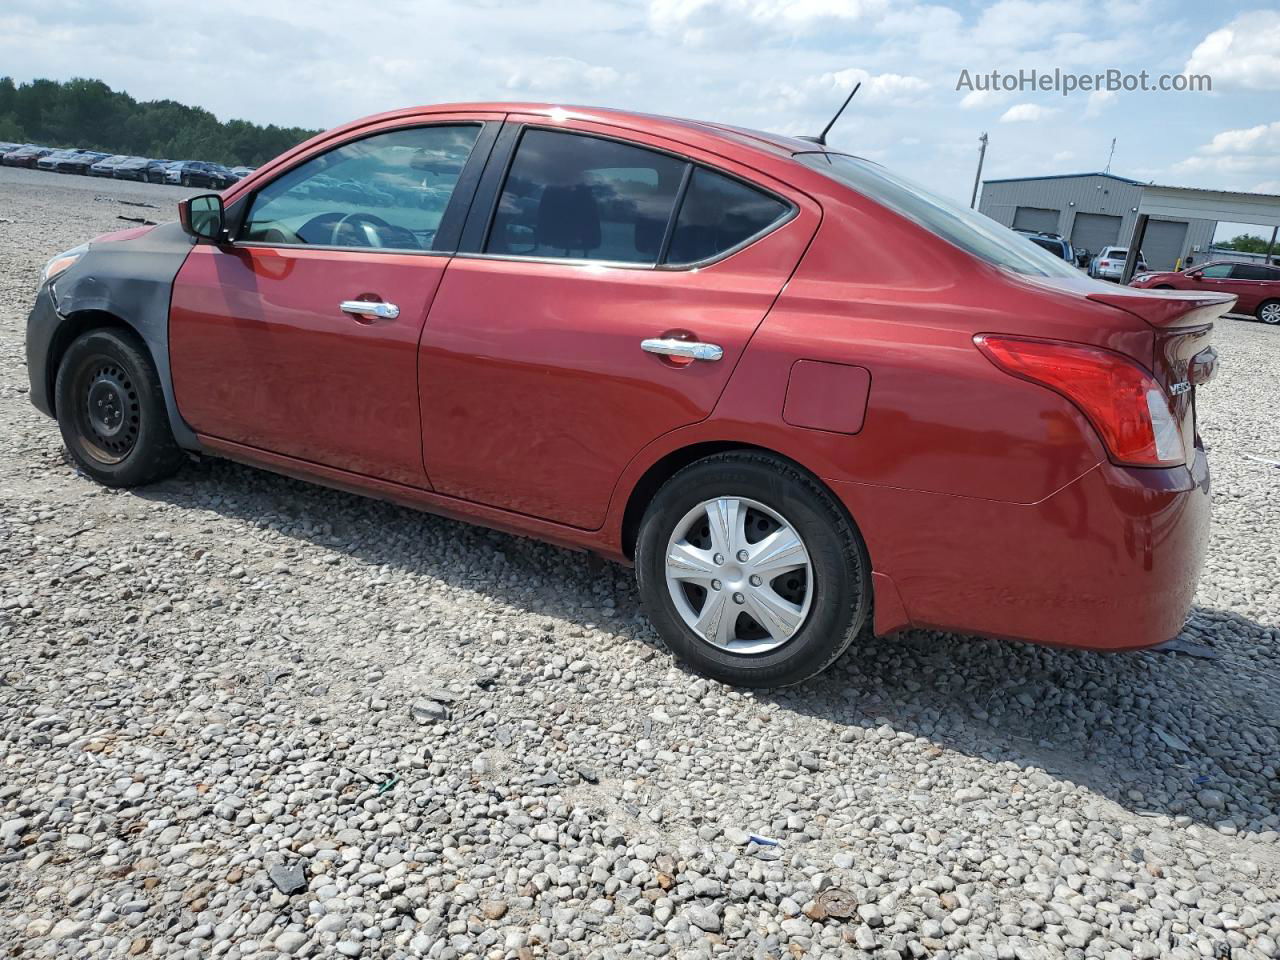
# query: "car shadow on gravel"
[[1158, 733]]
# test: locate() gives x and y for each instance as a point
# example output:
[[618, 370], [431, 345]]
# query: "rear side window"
[[717, 214], [581, 197], [1252, 271], [388, 192]]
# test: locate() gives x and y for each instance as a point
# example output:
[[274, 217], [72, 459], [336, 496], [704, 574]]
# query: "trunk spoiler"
[[1168, 308]]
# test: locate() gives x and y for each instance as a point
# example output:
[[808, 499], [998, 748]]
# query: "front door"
[[537, 377], [300, 337]]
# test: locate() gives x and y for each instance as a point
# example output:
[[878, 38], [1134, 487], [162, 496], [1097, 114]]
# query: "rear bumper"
[[1109, 562]]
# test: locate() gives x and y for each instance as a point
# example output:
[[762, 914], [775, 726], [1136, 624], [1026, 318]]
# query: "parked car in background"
[[132, 168], [51, 160], [80, 161], [25, 156], [632, 337], [1053, 242], [1109, 263], [242, 172], [106, 167], [1256, 286], [198, 173], [6, 146], [157, 170]]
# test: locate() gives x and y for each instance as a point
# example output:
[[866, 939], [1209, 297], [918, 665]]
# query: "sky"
[[769, 64]]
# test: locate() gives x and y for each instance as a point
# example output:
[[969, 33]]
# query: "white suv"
[[1109, 263]]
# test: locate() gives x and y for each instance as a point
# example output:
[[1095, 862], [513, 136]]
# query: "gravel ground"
[[241, 716]]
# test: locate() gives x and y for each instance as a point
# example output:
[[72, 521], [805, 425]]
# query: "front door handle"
[[690, 349], [371, 308]]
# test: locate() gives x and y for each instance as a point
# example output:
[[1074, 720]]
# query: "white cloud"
[[699, 22], [1250, 150], [975, 99], [562, 75], [1026, 112], [1098, 101], [1244, 53]]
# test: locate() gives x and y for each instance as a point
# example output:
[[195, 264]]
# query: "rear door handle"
[[691, 349], [370, 308]]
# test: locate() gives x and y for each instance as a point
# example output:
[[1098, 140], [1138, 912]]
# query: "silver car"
[[1109, 263]]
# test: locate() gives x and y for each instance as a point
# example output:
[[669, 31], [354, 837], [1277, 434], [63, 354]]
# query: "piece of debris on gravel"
[[241, 716]]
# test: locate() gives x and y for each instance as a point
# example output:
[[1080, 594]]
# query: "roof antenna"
[[821, 139]]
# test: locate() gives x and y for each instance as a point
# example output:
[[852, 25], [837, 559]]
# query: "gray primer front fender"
[[133, 281]]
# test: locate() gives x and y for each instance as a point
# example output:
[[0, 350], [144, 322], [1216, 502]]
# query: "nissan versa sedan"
[[802, 395]]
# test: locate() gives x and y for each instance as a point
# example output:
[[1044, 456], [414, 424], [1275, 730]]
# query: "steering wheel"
[[367, 221]]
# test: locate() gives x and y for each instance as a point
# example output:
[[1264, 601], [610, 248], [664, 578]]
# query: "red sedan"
[[1256, 286], [802, 395]]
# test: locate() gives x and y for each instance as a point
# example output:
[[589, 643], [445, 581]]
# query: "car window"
[[388, 191], [1252, 271], [1218, 270], [967, 229], [719, 213], [585, 198]]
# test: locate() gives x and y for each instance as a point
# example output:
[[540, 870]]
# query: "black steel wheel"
[[111, 410]]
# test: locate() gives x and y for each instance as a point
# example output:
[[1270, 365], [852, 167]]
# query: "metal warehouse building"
[[1093, 210]]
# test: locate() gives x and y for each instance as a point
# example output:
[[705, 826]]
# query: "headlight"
[[61, 262]]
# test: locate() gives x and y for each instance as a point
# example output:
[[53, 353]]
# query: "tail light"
[[1123, 401]]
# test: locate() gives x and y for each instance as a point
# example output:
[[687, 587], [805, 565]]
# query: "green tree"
[[89, 114], [1245, 243]]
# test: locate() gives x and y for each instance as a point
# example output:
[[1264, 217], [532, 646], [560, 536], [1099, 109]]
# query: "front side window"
[[967, 229], [719, 213], [388, 191], [581, 197], [1219, 270]]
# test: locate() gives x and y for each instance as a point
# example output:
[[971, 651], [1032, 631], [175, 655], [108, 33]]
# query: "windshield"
[[967, 229]]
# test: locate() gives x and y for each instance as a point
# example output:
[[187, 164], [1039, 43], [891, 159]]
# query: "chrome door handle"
[[682, 348], [370, 308]]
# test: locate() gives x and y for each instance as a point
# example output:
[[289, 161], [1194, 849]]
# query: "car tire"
[[826, 600], [1163, 286], [1269, 312], [111, 410]]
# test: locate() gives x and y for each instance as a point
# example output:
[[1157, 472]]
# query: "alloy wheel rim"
[[1271, 313], [739, 575]]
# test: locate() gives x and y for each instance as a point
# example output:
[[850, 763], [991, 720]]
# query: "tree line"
[[89, 114]]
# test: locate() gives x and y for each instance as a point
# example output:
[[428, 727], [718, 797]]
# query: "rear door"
[[300, 338], [536, 380]]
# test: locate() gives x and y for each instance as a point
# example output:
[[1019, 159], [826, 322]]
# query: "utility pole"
[[1110, 156], [1272, 245], [977, 177]]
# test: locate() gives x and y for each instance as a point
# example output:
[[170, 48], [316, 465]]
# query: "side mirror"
[[1196, 274], [203, 217]]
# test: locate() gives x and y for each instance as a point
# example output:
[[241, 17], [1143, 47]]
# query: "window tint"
[[1218, 270], [1253, 271], [717, 214], [967, 229], [582, 197], [388, 191]]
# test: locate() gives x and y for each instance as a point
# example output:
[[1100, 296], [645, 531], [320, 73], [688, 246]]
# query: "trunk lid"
[[1182, 358]]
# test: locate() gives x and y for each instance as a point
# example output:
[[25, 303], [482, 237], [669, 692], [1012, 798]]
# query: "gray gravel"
[[241, 716]]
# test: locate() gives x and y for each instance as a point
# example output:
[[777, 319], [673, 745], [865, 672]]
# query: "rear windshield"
[[967, 229]]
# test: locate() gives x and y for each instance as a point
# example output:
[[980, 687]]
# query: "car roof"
[[677, 128]]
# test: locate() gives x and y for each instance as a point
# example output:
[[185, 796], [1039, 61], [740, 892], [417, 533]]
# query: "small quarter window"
[[719, 213]]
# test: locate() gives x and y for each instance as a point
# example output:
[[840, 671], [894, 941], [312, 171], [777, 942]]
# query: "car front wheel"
[[750, 570], [1269, 312], [111, 410]]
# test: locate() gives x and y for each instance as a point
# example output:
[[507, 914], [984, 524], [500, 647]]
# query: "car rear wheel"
[[751, 572], [111, 410], [1269, 312]]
